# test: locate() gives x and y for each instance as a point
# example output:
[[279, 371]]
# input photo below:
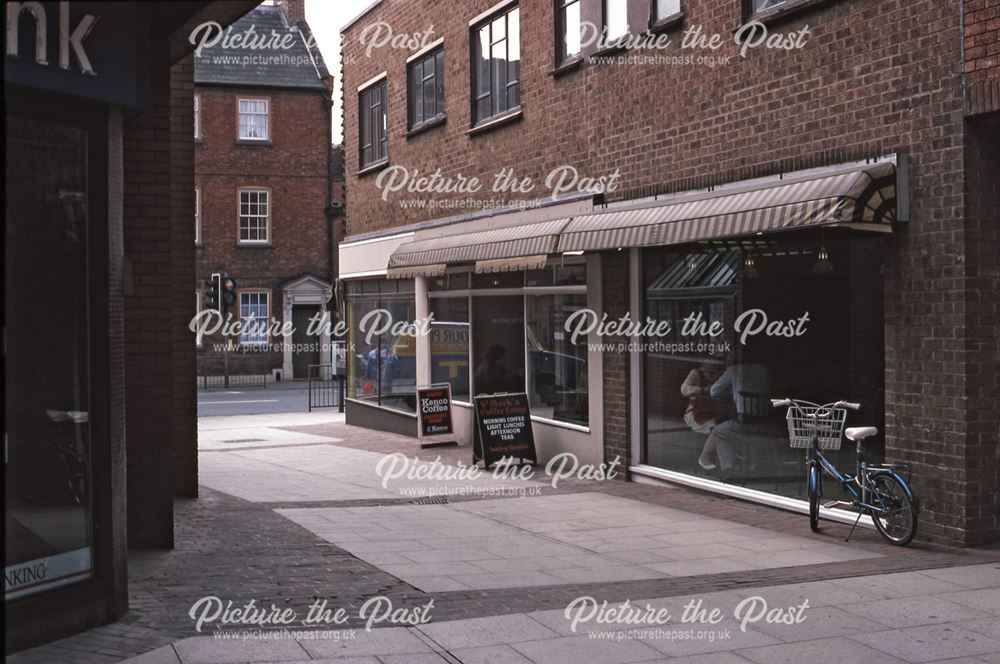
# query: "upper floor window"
[[425, 88], [374, 147], [255, 213], [197, 116], [567, 30], [665, 9], [496, 65], [615, 19], [254, 120], [756, 6], [197, 216]]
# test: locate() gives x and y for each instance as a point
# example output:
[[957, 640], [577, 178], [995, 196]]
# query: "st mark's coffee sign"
[[503, 424], [92, 50]]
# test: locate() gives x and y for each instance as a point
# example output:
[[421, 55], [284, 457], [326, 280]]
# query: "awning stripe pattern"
[[416, 271], [858, 195], [854, 194], [511, 242], [511, 264]]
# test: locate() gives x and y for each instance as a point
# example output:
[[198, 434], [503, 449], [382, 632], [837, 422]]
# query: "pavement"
[[312, 540]]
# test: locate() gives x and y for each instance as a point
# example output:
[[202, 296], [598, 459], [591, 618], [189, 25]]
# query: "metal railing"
[[326, 387], [231, 382]]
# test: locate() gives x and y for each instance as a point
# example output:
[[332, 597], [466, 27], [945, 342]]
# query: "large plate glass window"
[[48, 540], [557, 367], [450, 344], [707, 389]]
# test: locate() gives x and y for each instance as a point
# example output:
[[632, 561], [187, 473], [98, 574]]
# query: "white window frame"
[[197, 117], [197, 215], [267, 119], [255, 340], [239, 215]]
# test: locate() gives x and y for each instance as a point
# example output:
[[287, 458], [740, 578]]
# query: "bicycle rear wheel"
[[895, 518], [815, 494]]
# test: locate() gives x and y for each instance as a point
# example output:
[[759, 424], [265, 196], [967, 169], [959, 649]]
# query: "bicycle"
[[877, 489]]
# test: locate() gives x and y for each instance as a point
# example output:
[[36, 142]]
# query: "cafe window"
[[567, 30], [253, 317], [449, 344], [557, 365], [496, 66], [373, 129], [255, 214], [425, 88], [708, 381], [382, 369], [254, 121], [615, 19]]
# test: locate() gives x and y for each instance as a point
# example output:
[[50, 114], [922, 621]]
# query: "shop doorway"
[[498, 344]]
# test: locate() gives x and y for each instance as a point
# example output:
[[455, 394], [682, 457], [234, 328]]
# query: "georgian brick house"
[[265, 215], [853, 178]]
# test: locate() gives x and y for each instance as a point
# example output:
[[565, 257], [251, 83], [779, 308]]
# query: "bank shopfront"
[[668, 322]]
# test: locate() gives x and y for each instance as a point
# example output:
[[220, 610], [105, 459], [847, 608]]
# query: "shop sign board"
[[504, 426], [435, 423]]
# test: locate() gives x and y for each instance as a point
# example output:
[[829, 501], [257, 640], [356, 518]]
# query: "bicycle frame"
[[857, 485]]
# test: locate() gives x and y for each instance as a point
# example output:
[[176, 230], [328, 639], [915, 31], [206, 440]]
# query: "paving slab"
[[477, 632], [210, 650], [840, 650], [929, 643]]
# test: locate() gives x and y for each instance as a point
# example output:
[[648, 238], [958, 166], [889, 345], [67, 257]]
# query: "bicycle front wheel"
[[815, 493], [894, 516]]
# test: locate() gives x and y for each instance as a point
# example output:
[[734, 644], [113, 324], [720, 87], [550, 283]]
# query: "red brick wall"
[[874, 77], [294, 166], [185, 407], [982, 55], [149, 379]]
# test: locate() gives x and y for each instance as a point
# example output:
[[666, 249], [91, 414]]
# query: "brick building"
[[266, 212], [100, 429], [850, 174]]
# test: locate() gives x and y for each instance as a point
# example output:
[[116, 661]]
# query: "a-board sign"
[[503, 422], [434, 417]]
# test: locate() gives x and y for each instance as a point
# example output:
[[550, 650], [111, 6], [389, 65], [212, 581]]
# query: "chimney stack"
[[295, 10]]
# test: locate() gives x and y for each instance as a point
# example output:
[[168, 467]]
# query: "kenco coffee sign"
[[82, 49], [434, 410], [504, 426]]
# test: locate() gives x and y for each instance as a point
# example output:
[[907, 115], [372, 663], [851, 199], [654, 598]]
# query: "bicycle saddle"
[[859, 433]]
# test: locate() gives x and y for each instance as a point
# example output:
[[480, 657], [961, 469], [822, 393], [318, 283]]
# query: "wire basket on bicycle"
[[826, 424]]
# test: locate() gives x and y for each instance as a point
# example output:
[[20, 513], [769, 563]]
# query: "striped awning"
[[416, 271], [511, 264], [495, 244], [862, 196]]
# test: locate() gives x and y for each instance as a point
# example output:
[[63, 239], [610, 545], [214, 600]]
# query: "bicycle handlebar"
[[783, 403]]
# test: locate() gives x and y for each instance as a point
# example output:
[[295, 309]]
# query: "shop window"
[[449, 344], [615, 19], [49, 492], [557, 367], [496, 66], [449, 282], [382, 370], [498, 340], [255, 214], [425, 91], [253, 317], [498, 280], [707, 389], [254, 121], [567, 30], [373, 125]]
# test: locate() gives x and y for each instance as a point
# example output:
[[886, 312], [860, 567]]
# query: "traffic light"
[[228, 292], [213, 291]]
